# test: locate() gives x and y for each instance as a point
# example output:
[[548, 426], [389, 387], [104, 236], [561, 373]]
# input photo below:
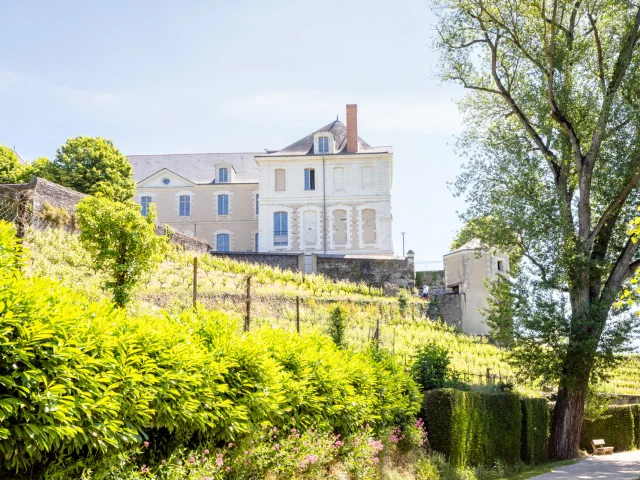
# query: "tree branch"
[[625, 267], [619, 200], [599, 50]]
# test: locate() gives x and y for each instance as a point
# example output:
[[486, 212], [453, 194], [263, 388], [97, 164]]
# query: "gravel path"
[[619, 466]]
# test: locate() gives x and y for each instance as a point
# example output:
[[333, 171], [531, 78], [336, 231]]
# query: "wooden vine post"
[[247, 318], [195, 281], [297, 314]]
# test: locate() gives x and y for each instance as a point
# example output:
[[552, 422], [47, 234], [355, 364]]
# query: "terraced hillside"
[[222, 285]]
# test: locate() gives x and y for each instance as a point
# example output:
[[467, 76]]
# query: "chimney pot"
[[352, 128]]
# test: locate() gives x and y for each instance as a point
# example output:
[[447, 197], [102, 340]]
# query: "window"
[[281, 180], [223, 204], [367, 177], [222, 242], [500, 266], [185, 206], [144, 205], [309, 179], [323, 144], [257, 203], [223, 175], [280, 229], [338, 178], [256, 242], [340, 227], [166, 181], [369, 225]]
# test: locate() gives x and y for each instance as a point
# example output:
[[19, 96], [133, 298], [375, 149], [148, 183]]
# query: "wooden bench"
[[599, 447]]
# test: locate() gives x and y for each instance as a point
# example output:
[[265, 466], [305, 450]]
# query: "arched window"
[[144, 205], [369, 225], [223, 175], [222, 242], [280, 229], [223, 204], [185, 206]]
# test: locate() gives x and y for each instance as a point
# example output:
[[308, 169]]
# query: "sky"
[[239, 76]]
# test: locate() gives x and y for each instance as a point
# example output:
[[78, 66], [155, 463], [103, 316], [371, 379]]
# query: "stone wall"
[[285, 261], [373, 271], [447, 307], [40, 191]]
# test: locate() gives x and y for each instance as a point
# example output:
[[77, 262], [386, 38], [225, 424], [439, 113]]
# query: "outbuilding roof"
[[198, 168]]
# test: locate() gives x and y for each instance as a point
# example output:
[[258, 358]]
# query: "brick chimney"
[[352, 128]]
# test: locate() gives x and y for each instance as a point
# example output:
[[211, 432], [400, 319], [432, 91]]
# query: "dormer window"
[[223, 175], [323, 144]]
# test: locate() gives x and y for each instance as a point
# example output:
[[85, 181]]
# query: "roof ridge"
[[193, 153]]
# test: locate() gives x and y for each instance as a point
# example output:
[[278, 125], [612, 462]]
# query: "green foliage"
[[535, 430], [501, 310], [83, 378], [338, 325], [635, 409], [11, 170], [58, 217], [472, 428], [430, 367], [92, 165], [616, 428], [121, 241]]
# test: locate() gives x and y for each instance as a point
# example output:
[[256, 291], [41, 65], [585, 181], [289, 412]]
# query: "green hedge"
[[474, 428], [615, 428], [636, 424], [535, 430]]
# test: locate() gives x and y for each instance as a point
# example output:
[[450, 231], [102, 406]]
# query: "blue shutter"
[[223, 204], [280, 229], [222, 242]]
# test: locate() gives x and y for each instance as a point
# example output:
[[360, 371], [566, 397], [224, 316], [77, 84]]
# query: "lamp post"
[[402, 233]]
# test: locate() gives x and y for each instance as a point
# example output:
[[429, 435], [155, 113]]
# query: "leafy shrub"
[[431, 366], [122, 242], [472, 428], [535, 430], [636, 424], [616, 428], [338, 325], [57, 217], [81, 378]]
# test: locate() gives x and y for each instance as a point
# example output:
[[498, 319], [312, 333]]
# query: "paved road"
[[619, 466]]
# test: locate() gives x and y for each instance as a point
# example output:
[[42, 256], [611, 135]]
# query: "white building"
[[465, 272], [329, 192]]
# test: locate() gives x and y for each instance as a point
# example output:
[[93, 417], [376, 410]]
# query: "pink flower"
[[219, 460], [164, 461], [146, 444], [228, 468], [230, 444], [133, 459], [246, 453], [206, 452], [374, 459], [277, 446], [295, 449], [144, 469], [192, 460]]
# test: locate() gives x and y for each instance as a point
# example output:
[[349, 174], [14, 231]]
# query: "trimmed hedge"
[[472, 428], [615, 428], [636, 424], [535, 430]]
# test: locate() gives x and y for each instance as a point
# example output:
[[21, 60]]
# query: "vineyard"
[[291, 300]]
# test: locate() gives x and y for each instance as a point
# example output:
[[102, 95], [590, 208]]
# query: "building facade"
[[465, 272], [329, 192]]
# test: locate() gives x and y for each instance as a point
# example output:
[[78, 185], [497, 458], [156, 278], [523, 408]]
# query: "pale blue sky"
[[224, 76]]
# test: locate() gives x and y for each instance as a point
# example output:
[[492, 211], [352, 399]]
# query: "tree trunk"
[[566, 425]]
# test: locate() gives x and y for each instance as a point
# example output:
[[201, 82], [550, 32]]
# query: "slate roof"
[[304, 146], [198, 168]]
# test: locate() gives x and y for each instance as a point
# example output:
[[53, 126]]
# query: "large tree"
[[92, 165], [11, 170], [553, 149]]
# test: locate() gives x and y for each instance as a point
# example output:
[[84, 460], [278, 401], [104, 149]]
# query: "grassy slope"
[[221, 284]]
